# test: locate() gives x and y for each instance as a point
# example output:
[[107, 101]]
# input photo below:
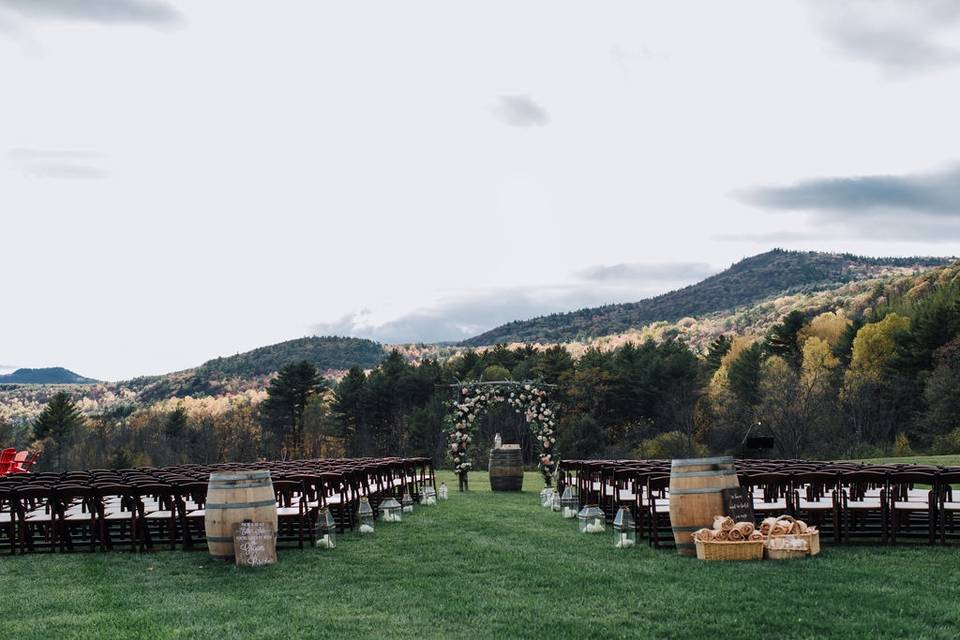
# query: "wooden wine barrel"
[[695, 496], [506, 470], [233, 497]]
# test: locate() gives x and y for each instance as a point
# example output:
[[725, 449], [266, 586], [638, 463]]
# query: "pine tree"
[[715, 352], [348, 405], [58, 420], [288, 395], [745, 375], [843, 350], [782, 339]]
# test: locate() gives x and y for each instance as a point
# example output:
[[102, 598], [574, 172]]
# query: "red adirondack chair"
[[23, 461], [6, 460]]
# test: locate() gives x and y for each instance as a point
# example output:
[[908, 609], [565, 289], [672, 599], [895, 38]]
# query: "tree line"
[[821, 385]]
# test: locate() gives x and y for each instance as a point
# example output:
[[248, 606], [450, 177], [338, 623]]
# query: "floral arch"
[[472, 402]]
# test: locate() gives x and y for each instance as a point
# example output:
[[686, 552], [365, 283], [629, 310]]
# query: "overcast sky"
[[181, 180]]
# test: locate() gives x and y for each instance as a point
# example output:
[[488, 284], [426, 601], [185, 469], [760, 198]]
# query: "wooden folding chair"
[[118, 514], [36, 516], [291, 511], [864, 500]]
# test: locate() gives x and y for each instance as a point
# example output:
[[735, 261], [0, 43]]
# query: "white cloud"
[[142, 12], [60, 164], [922, 206], [899, 37], [520, 111], [468, 313]]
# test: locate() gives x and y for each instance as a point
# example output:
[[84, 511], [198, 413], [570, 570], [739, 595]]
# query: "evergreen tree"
[[745, 374], [782, 339], [176, 423], [552, 364], [288, 395], [58, 421], [715, 352], [843, 350], [935, 320]]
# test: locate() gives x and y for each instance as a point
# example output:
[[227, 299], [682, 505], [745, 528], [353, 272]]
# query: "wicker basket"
[[813, 539], [745, 550], [784, 554]]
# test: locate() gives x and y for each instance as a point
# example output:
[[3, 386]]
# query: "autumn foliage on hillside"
[[871, 367], [775, 273]]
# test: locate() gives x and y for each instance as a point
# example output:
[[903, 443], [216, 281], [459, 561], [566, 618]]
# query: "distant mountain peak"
[[746, 282], [46, 375]]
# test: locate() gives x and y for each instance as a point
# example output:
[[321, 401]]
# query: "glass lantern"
[[327, 529], [407, 502], [365, 516], [569, 503], [555, 502], [390, 510], [546, 497], [444, 492], [624, 529], [429, 496], [591, 519]]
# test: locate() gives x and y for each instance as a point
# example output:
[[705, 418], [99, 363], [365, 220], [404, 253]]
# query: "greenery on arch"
[[527, 398]]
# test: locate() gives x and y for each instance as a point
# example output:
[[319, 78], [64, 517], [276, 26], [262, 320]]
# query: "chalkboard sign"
[[737, 505], [254, 544]]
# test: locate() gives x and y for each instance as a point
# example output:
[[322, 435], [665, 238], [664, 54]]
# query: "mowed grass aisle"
[[483, 565]]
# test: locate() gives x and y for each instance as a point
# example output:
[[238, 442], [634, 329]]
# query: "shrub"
[[495, 373], [672, 444], [901, 447], [947, 443]]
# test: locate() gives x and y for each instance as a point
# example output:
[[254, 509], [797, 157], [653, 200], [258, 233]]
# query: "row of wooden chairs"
[[147, 508], [847, 501]]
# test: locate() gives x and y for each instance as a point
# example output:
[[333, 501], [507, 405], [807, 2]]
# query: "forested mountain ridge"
[[46, 375], [326, 353], [864, 369], [747, 282]]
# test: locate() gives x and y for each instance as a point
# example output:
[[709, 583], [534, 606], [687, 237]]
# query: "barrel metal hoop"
[[686, 545], [251, 475], [253, 484], [241, 505], [686, 529], [219, 539], [704, 474], [693, 462], [687, 492]]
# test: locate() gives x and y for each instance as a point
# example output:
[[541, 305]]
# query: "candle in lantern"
[[624, 541], [325, 542]]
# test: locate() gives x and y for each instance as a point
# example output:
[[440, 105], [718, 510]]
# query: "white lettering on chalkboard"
[[254, 544]]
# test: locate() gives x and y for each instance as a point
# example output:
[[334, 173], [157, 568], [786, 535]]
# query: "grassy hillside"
[[485, 565], [775, 273], [48, 375]]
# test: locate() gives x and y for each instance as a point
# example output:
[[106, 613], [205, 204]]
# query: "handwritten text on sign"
[[737, 505], [254, 544]]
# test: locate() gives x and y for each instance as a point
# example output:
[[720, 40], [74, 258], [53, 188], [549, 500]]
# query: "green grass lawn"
[[483, 565]]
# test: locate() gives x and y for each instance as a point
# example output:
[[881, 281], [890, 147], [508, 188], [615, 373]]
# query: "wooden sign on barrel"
[[254, 544], [737, 505]]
